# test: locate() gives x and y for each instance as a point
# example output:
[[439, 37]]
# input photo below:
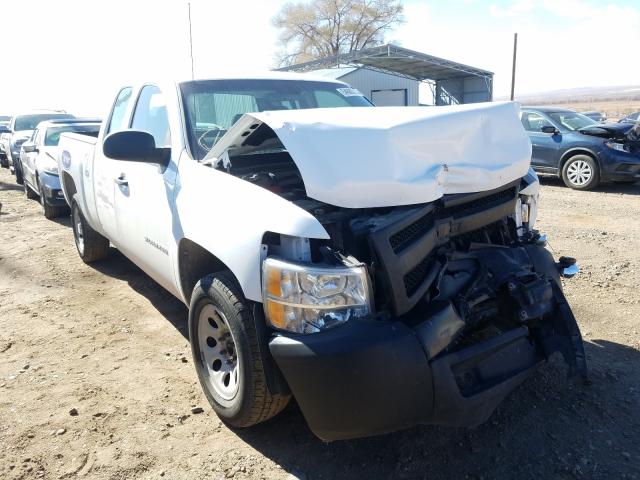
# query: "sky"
[[74, 54]]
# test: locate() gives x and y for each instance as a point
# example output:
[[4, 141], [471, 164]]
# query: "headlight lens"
[[48, 164], [620, 147], [304, 298], [527, 207]]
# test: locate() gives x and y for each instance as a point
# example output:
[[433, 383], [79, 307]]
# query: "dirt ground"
[[96, 378]]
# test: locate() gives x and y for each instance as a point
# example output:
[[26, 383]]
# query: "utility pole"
[[191, 42], [513, 71]]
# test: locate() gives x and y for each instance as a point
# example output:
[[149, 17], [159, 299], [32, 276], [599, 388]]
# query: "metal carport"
[[451, 82]]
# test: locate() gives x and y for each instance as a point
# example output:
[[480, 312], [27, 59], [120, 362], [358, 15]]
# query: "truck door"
[[107, 170], [144, 195]]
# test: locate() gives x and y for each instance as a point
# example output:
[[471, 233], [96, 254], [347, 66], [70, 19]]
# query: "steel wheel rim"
[[579, 172], [219, 353], [77, 228]]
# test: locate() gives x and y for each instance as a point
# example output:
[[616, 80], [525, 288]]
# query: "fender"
[[569, 153], [243, 213]]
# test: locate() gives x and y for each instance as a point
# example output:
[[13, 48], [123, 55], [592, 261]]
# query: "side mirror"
[[29, 147], [135, 146], [549, 129], [4, 129]]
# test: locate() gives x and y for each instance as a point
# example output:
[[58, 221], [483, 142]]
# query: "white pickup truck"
[[380, 265]]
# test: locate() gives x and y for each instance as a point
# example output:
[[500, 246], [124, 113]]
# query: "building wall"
[[368, 80], [463, 90]]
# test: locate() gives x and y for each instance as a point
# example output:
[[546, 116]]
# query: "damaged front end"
[[466, 303], [419, 313]]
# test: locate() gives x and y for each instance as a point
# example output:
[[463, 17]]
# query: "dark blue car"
[[580, 150]]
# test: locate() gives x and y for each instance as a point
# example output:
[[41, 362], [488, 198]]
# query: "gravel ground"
[[96, 379]]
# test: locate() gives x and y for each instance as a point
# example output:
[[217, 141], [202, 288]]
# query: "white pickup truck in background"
[[378, 264]]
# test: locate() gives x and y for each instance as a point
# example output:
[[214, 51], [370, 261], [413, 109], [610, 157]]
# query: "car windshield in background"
[[52, 136], [4, 119], [30, 122], [572, 120], [213, 106]]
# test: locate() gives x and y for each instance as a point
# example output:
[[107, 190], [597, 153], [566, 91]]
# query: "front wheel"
[[224, 344], [50, 211], [581, 172], [90, 244]]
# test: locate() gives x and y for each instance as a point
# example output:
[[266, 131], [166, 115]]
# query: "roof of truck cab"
[[269, 75], [69, 122], [547, 109]]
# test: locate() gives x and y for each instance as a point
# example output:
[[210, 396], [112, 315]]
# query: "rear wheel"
[[4, 161], [581, 172], [30, 193], [90, 244], [17, 168], [224, 344]]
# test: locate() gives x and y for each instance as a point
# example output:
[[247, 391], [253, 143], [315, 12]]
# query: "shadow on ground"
[[550, 427], [10, 186], [118, 266]]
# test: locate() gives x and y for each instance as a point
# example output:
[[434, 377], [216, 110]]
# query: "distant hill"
[[581, 94], [614, 102]]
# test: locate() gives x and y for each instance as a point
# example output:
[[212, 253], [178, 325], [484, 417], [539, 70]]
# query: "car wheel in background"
[[4, 161], [90, 244], [224, 344], [17, 171], [49, 211], [30, 193], [581, 172]]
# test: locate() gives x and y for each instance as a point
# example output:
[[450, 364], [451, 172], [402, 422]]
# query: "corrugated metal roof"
[[335, 73], [397, 61]]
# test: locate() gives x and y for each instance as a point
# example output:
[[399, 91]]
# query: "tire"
[[31, 195], [581, 172], [49, 211], [17, 170], [4, 161], [90, 244], [234, 384]]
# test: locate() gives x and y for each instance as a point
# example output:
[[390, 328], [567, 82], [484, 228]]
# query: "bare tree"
[[321, 28]]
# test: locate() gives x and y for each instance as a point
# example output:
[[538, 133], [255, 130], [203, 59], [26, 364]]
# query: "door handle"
[[122, 180]]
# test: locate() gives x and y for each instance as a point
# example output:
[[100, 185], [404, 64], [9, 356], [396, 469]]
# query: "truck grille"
[[405, 246]]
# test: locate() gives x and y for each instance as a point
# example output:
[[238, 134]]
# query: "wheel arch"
[[194, 262], [68, 186]]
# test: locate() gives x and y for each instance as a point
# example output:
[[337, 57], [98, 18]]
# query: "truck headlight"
[[527, 206], [305, 298]]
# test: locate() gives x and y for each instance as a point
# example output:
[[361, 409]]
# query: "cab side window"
[[117, 121], [533, 122], [151, 115]]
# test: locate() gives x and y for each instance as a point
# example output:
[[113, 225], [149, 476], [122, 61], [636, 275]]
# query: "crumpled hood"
[[613, 131], [391, 156]]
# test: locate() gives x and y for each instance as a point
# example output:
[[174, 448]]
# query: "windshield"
[[30, 122], [213, 106], [572, 120], [52, 137]]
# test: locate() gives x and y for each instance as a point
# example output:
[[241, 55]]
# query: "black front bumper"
[[51, 189], [370, 377]]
